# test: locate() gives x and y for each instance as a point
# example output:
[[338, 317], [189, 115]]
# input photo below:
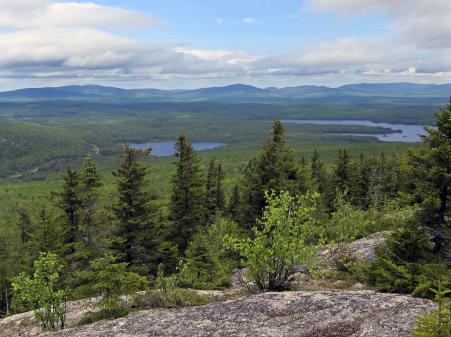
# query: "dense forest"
[[275, 218]]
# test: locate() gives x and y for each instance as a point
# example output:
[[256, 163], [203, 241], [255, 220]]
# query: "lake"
[[409, 133], [167, 148]]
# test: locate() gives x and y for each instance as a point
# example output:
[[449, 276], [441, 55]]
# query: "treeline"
[[408, 195]]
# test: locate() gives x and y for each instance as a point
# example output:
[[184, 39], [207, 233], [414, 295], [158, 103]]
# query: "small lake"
[[167, 148], [409, 133]]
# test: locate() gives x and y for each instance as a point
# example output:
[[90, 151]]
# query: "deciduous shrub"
[[41, 292], [283, 238]]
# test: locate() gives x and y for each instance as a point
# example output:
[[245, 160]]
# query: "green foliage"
[[407, 264], [41, 292], [214, 195], [202, 268], [274, 169], [347, 223], [70, 204], [431, 171], [133, 211], [283, 240], [187, 206], [110, 280], [233, 208], [168, 295], [90, 184], [111, 313], [47, 234], [438, 323]]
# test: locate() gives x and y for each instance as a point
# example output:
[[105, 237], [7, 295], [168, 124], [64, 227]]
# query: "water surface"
[[409, 133], [167, 148]]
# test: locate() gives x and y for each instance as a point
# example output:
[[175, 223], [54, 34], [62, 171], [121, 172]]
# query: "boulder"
[[303, 314]]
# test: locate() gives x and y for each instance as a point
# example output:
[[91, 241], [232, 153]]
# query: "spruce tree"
[[220, 200], [318, 172], [187, 207], [133, 211], [70, 203], [210, 193], [342, 178], [431, 171], [214, 196], [25, 226], [276, 169], [90, 184], [46, 236], [233, 208]]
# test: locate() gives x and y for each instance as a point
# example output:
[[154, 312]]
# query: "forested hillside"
[[85, 243]]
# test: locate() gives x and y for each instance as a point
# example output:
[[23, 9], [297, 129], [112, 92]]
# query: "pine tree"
[[275, 168], [187, 209], [133, 211]]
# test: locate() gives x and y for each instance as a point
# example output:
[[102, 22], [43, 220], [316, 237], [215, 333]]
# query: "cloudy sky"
[[196, 43]]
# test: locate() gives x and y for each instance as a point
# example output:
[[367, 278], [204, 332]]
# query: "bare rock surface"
[[362, 249], [25, 324], [306, 314]]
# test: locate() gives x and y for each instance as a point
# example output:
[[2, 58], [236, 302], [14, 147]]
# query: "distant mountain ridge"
[[235, 93]]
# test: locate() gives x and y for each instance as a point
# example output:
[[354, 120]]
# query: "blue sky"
[[194, 43]]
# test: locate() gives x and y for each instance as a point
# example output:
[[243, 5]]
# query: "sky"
[[173, 44]]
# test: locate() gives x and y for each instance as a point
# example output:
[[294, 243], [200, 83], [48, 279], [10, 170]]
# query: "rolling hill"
[[240, 93]]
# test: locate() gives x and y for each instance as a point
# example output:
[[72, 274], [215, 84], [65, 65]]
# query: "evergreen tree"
[[25, 226], [214, 196], [133, 211], [46, 236], [319, 177], [364, 181], [187, 209], [202, 268], [392, 178], [432, 175], [220, 200], [90, 184], [276, 169], [210, 195], [234, 204], [342, 179], [70, 203]]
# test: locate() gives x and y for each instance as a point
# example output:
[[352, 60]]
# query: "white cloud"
[[59, 42], [75, 14], [21, 5], [250, 21], [423, 23]]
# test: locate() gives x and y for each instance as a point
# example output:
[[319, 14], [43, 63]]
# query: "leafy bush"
[[283, 239], [41, 293], [348, 223], [438, 323]]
